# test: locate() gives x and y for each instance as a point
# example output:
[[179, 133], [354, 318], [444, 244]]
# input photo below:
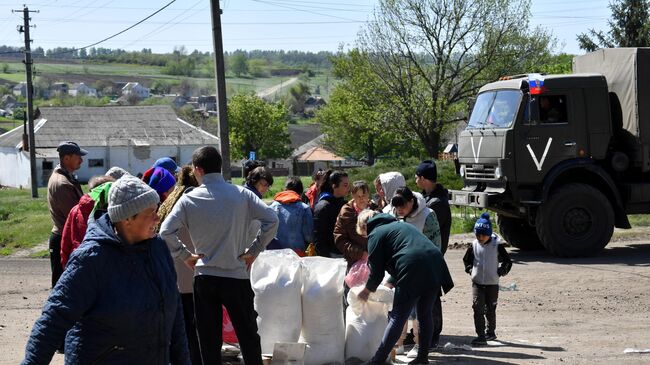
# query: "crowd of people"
[[141, 266]]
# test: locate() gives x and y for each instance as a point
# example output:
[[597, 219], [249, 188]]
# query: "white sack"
[[366, 322], [276, 277], [322, 306]]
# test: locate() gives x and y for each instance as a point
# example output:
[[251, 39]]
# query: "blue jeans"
[[398, 316]]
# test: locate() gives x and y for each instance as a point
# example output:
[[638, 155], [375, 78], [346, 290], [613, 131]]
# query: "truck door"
[[554, 132]]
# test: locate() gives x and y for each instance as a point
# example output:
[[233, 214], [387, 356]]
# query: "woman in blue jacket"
[[117, 301]]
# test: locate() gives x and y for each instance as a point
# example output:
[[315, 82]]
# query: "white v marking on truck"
[[539, 163], [476, 152]]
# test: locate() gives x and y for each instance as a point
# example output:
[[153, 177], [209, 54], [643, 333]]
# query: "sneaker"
[[399, 350], [490, 336], [479, 341], [413, 353], [419, 360]]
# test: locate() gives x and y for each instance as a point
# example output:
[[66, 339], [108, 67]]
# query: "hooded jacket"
[[325, 213], [414, 264], [390, 182], [296, 222], [487, 262], [424, 219], [438, 201], [117, 302]]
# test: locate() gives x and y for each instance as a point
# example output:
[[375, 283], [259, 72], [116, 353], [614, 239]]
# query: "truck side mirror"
[[532, 108]]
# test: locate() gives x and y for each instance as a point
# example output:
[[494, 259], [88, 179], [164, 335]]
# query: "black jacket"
[[438, 201], [325, 213]]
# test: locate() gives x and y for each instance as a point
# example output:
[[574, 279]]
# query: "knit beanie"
[[483, 225], [161, 180], [129, 196], [116, 172], [428, 170]]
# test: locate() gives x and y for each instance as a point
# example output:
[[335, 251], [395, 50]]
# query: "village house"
[[20, 89], [59, 88], [81, 89], [134, 88], [132, 137]]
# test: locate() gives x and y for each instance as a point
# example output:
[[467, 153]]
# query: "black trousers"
[[437, 320], [190, 327], [210, 292], [55, 257], [485, 306]]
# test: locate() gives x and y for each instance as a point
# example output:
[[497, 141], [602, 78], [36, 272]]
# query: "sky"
[[305, 25]]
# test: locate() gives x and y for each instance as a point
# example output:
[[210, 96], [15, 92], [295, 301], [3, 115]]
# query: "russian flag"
[[535, 83]]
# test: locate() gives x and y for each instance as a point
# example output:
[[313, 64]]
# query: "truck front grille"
[[480, 172]]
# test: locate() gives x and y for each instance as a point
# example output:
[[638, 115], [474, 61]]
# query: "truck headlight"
[[462, 171], [497, 173]]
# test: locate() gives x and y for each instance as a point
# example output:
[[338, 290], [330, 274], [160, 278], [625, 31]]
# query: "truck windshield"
[[495, 109]]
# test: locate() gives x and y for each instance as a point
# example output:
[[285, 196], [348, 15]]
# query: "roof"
[[115, 126], [319, 154], [302, 133]]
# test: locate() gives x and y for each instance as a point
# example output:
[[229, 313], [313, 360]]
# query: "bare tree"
[[432, 55]]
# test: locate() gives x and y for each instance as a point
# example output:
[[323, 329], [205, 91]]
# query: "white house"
[[132, 137], [134, 88], [81, 89], [20, 89]]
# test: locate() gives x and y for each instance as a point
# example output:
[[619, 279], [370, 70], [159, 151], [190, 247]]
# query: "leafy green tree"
[[297, 97], [5, 68], [629, 26], [358, 121], [258, 126], [161, 87], [258, 67], [431, 55], [238, 64]]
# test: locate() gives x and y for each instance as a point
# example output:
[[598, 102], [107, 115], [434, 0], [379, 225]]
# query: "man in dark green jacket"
[[417, 270]]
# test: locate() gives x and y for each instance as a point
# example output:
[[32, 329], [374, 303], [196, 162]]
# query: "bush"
[[406, 166]]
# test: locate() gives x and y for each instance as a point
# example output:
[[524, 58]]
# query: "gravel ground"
[[573, 311]]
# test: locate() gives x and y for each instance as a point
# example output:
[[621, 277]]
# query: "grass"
[[8, 124], [24, 222]]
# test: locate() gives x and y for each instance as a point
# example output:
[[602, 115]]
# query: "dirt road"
[[273, 89], [570, 311]]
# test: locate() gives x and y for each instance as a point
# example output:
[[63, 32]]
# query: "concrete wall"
[[14, 168]]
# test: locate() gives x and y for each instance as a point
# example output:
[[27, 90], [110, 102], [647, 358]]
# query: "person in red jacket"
[[76, 223]]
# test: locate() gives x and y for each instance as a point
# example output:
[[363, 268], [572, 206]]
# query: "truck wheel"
[[518, 233], [576, 220]]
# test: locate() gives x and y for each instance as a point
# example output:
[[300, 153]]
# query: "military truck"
[[562, 159]]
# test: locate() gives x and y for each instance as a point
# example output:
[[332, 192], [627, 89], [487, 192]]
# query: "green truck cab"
[[562, 159]]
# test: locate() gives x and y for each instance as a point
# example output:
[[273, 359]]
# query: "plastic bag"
[[227, 330], [358, 274], [276, 279]]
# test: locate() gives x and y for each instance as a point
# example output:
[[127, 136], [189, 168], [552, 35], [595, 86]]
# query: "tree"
[[431, 55], [238, 64], [297, 97], [357, 121], [629, 26], [258, 67], [258, 126]]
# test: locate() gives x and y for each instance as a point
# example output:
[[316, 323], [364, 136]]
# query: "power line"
[[118, 33]]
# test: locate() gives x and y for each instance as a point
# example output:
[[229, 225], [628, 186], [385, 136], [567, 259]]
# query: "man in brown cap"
[[63, 193]]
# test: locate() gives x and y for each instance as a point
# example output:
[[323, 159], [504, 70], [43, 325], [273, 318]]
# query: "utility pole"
[[220, 73], [30, 102]]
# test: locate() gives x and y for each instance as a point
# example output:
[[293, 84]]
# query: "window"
[[95, 162], [495, 109], [552, 109]]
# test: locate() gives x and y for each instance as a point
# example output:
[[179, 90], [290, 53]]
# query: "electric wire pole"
[[30, 102], [220, 74]]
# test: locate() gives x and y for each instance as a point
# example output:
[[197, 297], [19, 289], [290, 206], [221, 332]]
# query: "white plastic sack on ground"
[[322, 306], [366, 322], [276, 277]]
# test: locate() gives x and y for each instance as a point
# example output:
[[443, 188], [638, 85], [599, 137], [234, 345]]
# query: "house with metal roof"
[[132, 137]]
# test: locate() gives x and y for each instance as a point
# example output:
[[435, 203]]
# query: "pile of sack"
[[301, 300]]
